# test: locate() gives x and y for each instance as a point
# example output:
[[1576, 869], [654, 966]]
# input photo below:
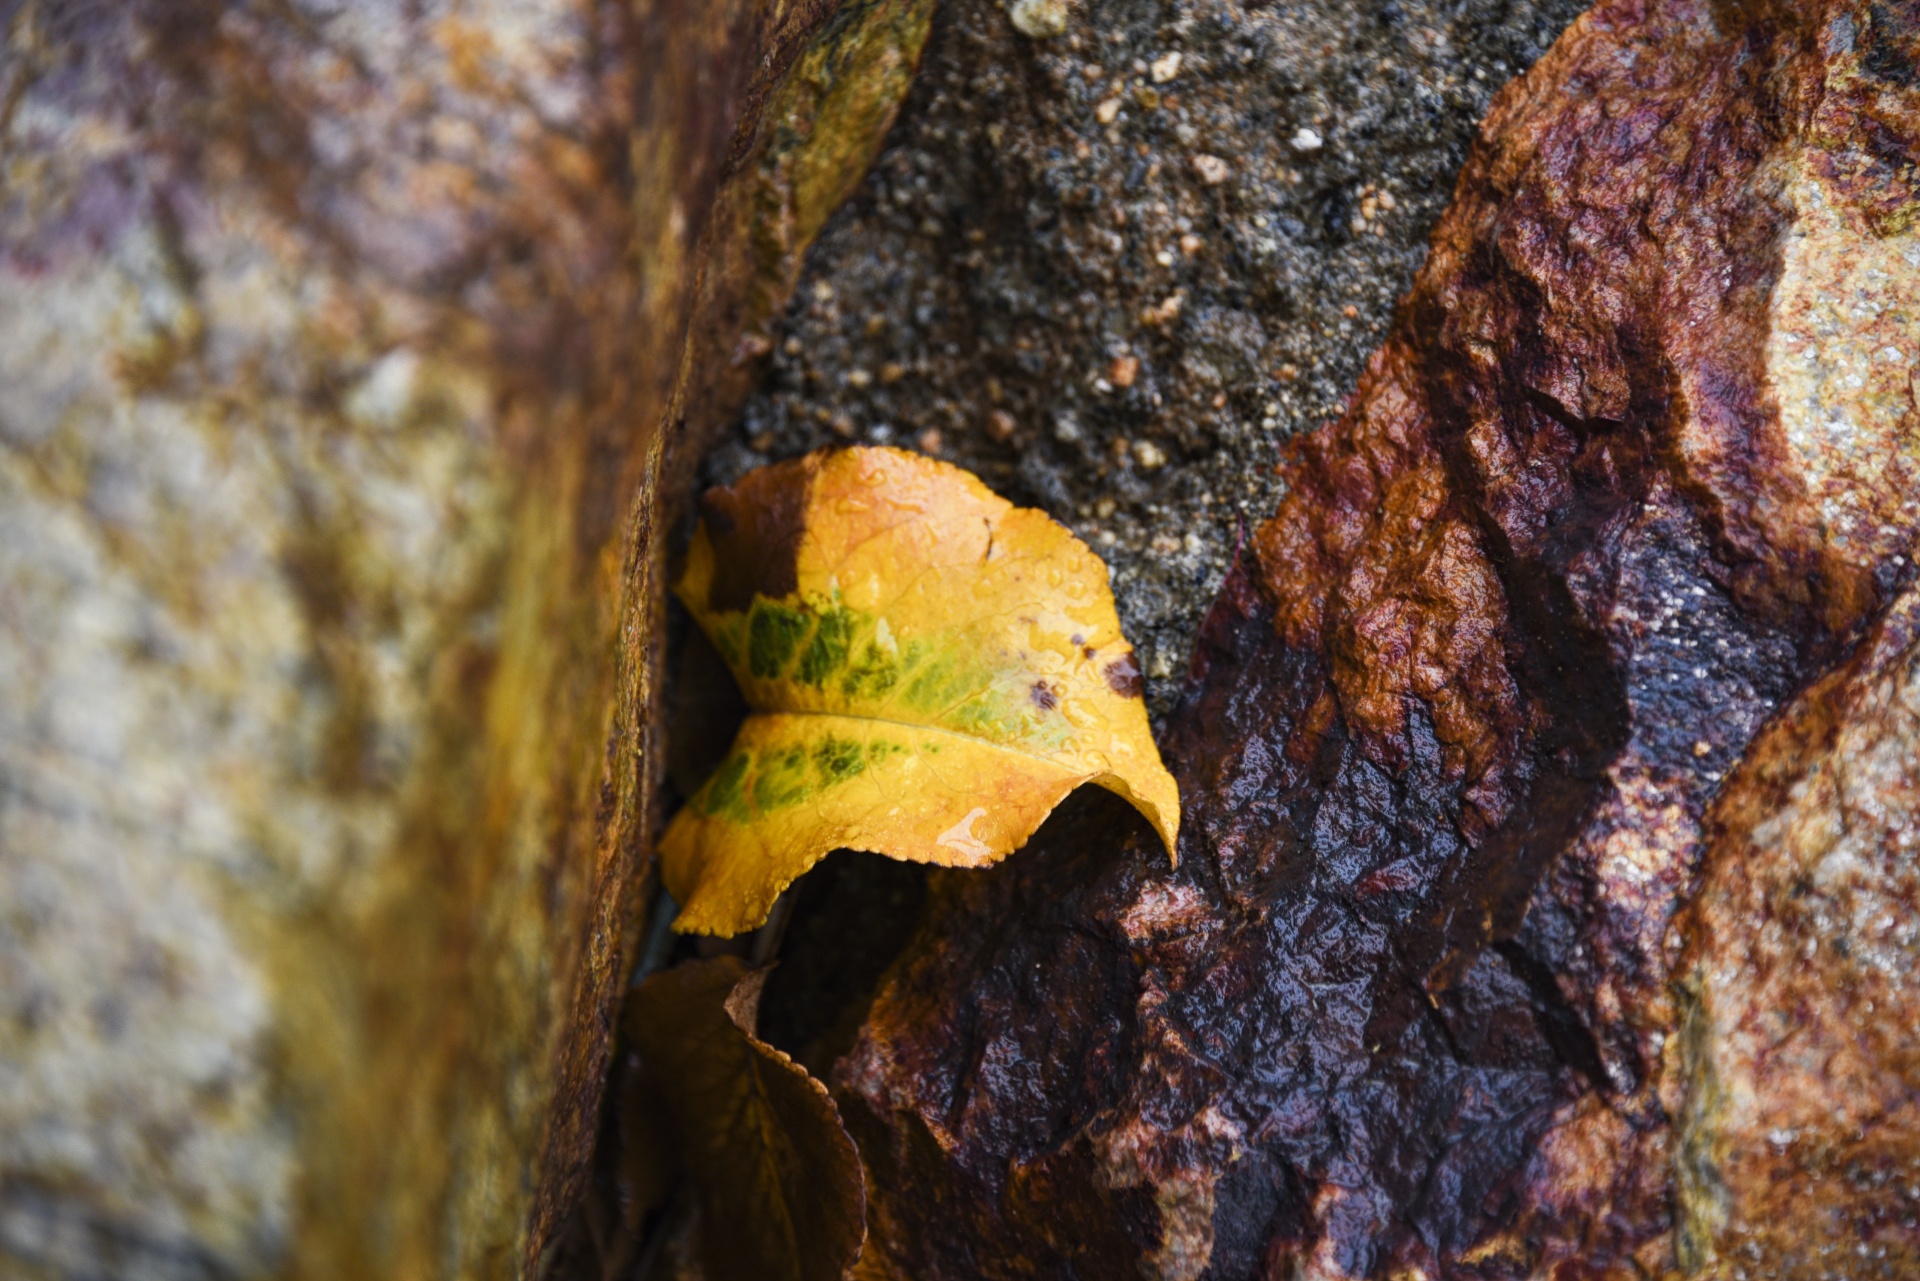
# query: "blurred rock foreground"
[[345, 356]]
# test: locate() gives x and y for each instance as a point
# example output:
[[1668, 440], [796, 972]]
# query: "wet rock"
[[1584, 604], [1011, 243], [1798, 1051]]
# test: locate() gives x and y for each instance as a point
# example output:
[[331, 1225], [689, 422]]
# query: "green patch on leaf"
[[725, 795], [774, 632], [832, 639], [838, 759], [750, 783], [784, 778], [872, 675]]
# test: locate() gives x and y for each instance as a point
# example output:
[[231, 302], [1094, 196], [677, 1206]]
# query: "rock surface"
[[1797, 1054], [344, 354], [1047, 271], [1587, 601]]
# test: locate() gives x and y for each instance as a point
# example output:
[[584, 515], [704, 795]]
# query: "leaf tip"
[[1156, 796]]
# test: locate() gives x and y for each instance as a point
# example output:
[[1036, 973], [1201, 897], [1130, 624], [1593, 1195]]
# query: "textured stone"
[[1476, 710], [1798, 1055], [344, 351], [1037, 225]]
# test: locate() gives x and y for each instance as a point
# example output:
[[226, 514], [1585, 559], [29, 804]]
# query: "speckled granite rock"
[[343, 352], [1545, 906], [1797, 1054]]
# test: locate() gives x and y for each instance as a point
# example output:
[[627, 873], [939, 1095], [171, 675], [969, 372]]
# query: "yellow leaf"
[[930, 671], [777, 1178]]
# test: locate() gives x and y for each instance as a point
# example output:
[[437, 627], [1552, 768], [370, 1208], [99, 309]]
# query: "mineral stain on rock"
[[1476, 711]]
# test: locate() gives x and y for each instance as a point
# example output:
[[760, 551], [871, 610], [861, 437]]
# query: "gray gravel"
[[1112, 285]]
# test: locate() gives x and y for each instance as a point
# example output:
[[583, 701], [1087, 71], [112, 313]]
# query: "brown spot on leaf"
[[755, 527], [1123, 675], [1042, 697]]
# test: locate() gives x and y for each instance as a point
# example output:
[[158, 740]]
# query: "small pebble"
[[1000, 425], [1164, 257], [1305, 139], [858, 379], [1148, 455], [1104, 508], [1123, 371], [1038, 19], [892, 372], [1107, 110], [1168, 309], [1212, 169], [930, 441], [1191, 244], [840, 425], [1166, 67]]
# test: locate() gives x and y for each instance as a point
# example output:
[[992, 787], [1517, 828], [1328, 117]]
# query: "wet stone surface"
[[1112, 270]]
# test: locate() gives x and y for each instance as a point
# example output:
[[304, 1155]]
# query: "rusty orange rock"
[[1438, 988]]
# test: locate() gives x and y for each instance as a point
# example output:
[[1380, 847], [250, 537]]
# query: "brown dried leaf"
[[777, 1179]]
